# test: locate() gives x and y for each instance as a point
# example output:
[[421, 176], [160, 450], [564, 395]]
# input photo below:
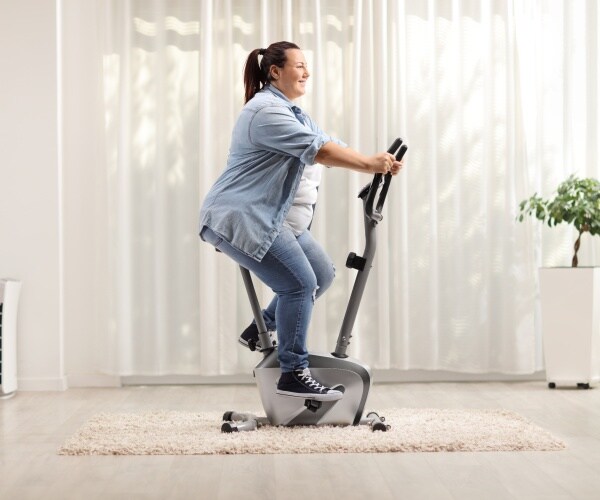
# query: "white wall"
[[30, 177]]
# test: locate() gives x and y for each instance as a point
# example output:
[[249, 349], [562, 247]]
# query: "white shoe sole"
[[332, 396], [258, 345]]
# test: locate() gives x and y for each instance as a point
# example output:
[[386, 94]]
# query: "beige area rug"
[[412, 430]]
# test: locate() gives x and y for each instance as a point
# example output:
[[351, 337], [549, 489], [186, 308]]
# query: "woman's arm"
[[334, 155]]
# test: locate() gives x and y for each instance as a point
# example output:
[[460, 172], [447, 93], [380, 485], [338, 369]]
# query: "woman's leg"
[[321, 265], [320, 262], [287, 271], [269, 315]]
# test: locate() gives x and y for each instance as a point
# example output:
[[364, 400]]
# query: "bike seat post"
[[263, 334]]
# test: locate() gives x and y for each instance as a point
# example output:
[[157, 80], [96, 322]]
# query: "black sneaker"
[[300, 384], [249, 338]]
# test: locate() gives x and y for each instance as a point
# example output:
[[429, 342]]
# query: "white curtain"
[[496, 100]]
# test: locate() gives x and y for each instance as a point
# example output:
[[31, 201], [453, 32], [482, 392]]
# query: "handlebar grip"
[[401, 152], [384, 191], [388, 178], [371, 198], [395, 145], [376, 214]]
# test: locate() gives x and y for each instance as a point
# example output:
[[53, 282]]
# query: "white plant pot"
[[570, 299]]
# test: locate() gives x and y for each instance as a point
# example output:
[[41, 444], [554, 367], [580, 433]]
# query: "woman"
[[259, 210]]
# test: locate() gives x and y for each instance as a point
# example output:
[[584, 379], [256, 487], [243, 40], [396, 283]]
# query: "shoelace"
[[307, 379]]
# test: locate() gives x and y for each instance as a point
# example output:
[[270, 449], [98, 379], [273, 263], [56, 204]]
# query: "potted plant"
[[570, 296]]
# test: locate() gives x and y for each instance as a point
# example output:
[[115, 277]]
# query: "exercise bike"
[[335, 370]]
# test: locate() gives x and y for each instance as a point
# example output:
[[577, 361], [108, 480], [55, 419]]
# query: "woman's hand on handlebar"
[[334, 155], [382, 163]]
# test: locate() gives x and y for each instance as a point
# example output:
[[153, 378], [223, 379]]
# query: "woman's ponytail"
[[253, 77], [256, 74]]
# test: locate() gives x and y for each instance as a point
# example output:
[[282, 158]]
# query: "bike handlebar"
[[370, 190]]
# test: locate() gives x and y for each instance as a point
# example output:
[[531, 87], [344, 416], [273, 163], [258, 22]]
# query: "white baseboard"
[[390, 376], [93, 380], [42, 384], [246, 378]]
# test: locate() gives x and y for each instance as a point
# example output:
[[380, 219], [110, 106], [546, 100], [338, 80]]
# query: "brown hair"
[[256, 75]]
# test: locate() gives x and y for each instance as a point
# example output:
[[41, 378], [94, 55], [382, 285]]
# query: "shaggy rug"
[[412, 430]]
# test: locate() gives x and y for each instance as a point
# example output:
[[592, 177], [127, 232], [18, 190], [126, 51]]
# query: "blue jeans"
[[299, 271]]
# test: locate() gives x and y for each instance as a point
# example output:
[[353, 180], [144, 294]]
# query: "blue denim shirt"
[[269, 148]]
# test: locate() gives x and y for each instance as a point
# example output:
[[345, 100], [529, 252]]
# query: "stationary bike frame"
[[372, 216]]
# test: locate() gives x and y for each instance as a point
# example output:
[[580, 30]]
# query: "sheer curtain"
[[496, 100]]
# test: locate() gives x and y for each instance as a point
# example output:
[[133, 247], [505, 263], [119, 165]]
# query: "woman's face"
[[291, 79]]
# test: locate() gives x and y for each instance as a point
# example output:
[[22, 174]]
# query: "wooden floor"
[[34, 424]]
